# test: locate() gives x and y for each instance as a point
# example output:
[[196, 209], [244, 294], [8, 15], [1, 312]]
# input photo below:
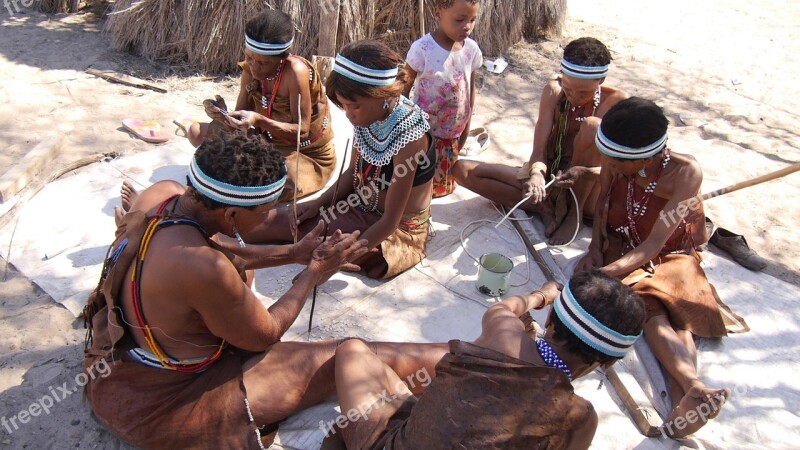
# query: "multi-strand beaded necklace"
[[637, 209]]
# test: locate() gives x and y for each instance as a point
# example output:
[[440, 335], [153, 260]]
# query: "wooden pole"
[[421, 18], [328, 27], [745, 184]]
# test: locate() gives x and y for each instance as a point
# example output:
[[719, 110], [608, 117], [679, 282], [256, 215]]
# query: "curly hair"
[[587, 51], [634, 122], [444, 4], [271, 27], [374, 55], [612, 303], [237, 159]]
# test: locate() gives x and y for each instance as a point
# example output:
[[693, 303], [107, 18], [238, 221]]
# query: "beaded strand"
[[551, 358]]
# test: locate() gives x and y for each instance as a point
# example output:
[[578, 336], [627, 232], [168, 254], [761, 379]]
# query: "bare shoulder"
[[195, 264], [157, 193], [610, 97], [551, 91]]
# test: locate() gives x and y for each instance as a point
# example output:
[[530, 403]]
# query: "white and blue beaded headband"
[[266, 49], [590, 330], [365, 75], [611, 148], [583, 72], [230, 194]]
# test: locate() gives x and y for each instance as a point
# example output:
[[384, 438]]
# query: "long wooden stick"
[[297, 163], [325, 233], [744, 184], [421, 18], [635, 401]]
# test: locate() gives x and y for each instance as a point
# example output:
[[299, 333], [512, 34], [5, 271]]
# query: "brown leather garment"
[[157, 408], [483, 399]]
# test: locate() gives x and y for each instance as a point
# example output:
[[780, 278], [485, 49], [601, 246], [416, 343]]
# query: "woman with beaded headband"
[[570, 110], [270, 83], [196, 359], [511, 388], [645, 233], [386, 190]]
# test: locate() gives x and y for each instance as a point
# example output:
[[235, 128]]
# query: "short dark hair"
[[448, 3], [238, 159], [272, 27], [612, 303], [634, 122], [371, 54], [587, 51]]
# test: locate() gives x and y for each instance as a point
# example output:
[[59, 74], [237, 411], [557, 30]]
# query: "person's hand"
[[243, 120], [552, 290], [336, 253], [534, 188], [214, 109], [592, 259], [569, 178], [304, 248]]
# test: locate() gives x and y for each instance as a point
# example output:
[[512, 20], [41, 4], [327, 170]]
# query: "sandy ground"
[[722, 70]]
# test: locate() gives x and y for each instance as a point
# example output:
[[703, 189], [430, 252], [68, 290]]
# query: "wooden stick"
[[325, 232], [744, 184], [297, 165], [126, 80], [421, 18], [640, 411]]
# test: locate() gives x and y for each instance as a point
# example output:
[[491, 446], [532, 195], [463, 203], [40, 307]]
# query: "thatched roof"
[[209, 34]]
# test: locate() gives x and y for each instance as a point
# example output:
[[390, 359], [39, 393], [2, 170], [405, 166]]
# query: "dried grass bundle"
[[209, 34], [57, 6]]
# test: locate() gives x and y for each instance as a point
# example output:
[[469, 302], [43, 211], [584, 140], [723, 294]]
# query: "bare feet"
[[564, 233], [128, 195], [694, 410]]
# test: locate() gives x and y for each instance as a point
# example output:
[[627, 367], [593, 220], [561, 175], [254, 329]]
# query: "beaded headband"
[[611, 148], [230, 194], [361, 74], [266, 49], [590, 330], [583, 72]]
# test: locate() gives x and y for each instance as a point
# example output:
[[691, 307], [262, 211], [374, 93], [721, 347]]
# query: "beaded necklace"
[[595, 103], [636, 209], [384, 139], [366, 176], [156, 222], [265, 103], [563, 124], [551, 358]]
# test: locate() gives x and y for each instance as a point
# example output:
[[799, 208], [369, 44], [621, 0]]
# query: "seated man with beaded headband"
[[645, 233], [271, 81], [196, 359], [509, 389], [570, 110], [385, 192]]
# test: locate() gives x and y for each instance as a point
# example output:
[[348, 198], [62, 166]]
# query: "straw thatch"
[[58, 6], [208, 34]]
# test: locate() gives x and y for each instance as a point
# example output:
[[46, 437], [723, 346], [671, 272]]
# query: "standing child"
[[442, 68]]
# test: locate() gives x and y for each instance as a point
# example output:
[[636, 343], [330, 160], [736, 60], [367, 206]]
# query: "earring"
[[386, 104], [238, 237], [642, 173]]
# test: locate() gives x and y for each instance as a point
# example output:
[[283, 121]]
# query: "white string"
[[121, 315], [507, 217]]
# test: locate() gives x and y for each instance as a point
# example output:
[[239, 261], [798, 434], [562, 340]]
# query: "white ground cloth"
[[60, 237]]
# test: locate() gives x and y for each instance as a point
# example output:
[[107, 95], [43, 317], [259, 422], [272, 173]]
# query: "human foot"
[[128, 195], [563, 234], [694, 410]]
